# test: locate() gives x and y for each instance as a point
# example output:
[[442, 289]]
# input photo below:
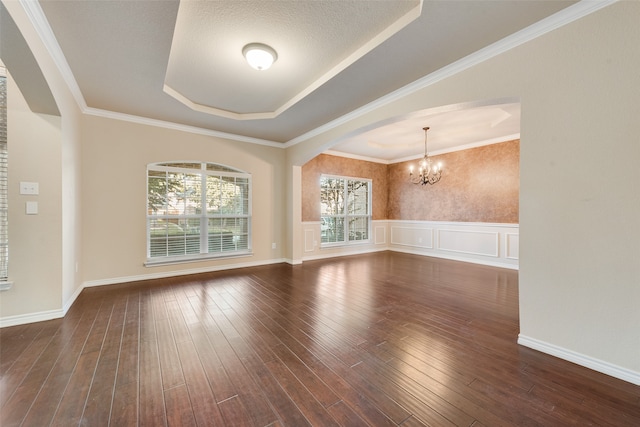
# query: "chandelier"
[[427, 173]]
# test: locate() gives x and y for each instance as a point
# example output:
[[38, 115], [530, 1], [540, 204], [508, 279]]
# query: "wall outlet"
[[31, 188], [273, 246]]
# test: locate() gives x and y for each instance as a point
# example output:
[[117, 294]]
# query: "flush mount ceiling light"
[[259, 56], [427, 173]]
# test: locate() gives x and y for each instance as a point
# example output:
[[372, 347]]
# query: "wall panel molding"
[[512, 245], [412, 236], [380, 235], [470, 242], [481, 243]]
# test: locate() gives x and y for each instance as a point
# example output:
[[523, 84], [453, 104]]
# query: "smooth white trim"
[[174, 273], [67, 305], [494, 254], [186, 259], [22, 319], [581, 359], [430, 247], [357, 157], [39, 21], [557, 20], [179, 127], [453, 223], [489, 263], [366, 250]]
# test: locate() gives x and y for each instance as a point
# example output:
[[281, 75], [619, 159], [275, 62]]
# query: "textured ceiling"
[[314, 41], [334, 58]]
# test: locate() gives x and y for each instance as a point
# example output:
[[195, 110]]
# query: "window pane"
[[191, 197], [157, 192], [332, 229], [331, 196], [212, 167], [174, 237], [213, 195], [228, 234], [183, 165], [180, 205], [358, 197], [358, 228]]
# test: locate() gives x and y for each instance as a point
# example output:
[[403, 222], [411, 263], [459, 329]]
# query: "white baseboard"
[[347, 252], [174, 273], [67, 305], [22, 319], [456, 258], [581, 359]]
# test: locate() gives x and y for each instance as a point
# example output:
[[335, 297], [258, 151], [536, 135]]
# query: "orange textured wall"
[[333, 165], [478, 185]]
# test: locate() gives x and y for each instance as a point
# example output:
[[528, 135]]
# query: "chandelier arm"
[[425, 175]]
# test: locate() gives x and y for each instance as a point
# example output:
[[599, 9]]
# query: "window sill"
[[5, 285], [155, 262], [343, 244]]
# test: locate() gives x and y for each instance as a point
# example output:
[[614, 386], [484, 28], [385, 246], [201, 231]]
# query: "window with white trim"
[[197, 210], [345, 210], [4, 187]]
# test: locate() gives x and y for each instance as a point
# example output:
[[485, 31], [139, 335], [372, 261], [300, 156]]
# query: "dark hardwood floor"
[[383, 339]]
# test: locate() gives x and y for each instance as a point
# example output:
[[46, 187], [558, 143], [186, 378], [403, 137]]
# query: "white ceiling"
[[181, 63], [451, 128]]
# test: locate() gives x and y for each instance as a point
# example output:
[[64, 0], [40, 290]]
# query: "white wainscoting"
[[312, 242], [481, 243]]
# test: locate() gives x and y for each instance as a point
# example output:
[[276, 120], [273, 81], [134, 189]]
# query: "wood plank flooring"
[[383, 339]]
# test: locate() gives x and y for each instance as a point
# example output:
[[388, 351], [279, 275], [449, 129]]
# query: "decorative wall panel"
[[309, 240], [380, 234], [469, 242], [512, 245], [412, 236]]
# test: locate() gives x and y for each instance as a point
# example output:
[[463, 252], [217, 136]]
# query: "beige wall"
[[115, 155], [61, 172], [579, 204], [35, 262]]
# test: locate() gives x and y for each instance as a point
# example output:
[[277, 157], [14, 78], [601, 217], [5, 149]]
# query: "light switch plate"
[[32, 208], [29, 188]]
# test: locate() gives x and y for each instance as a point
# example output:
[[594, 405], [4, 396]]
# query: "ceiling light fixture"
[[427, 173], [259, 56]]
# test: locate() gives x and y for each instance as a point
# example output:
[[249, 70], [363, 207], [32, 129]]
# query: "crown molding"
[[357, 157], [43, 29], [557, 20], [469, 146], [179, 127]]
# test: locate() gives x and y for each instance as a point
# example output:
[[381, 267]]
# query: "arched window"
[[197, 210]]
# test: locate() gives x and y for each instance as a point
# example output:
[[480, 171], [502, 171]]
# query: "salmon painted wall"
[[333, 165], [478, 185]]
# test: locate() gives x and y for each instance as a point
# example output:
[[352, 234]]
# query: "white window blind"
[[197, 210], [4, 188]]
